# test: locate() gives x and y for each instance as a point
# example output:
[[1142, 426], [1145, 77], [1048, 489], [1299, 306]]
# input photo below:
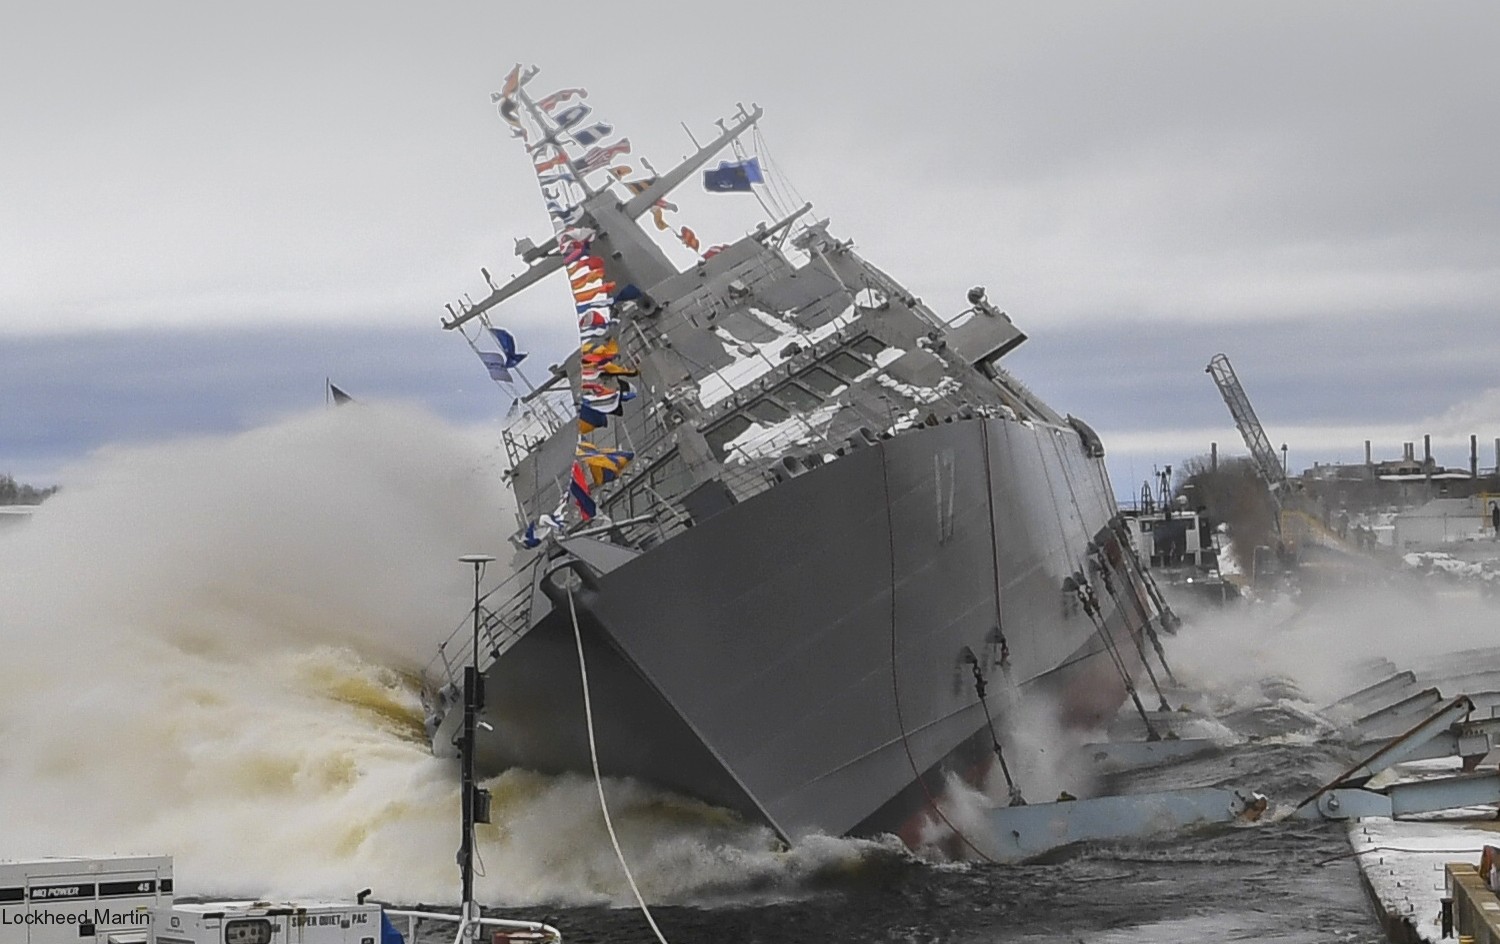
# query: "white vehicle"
[[80, 901], [320, 922], [128, 900], [264, 922]]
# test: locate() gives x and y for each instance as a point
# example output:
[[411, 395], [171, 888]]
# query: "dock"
[[1409, 868], [1420, 804]]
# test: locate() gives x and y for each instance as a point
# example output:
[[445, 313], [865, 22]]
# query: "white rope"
[[773, 209], [783, 192], [588, 713]]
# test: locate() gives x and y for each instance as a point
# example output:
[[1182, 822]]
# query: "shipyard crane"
[[1261, 451], [1300, 518]]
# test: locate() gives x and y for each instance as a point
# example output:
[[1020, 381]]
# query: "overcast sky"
[[206, 208]]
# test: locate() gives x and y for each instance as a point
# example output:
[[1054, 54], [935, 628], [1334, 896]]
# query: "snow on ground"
[[1440, 562], [1403, 862]]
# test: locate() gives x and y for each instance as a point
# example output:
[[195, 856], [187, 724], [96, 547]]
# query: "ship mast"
[[548, 260]]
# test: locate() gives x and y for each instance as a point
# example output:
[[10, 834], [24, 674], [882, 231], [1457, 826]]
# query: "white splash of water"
[[1042, 756], [1044, 753], [1325, 644], [211, 648]]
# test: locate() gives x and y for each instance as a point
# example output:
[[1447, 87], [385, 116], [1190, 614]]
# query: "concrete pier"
[[1405, 866]]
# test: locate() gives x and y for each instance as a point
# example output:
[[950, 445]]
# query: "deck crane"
[[1261, 452]]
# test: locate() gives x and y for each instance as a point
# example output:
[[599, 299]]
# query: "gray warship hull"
[[806, 656], [843, 522]]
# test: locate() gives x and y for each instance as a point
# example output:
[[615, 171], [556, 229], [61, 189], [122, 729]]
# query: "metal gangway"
[[1397, 725]]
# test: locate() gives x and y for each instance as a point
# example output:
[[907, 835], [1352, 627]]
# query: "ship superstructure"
[[826, 520]]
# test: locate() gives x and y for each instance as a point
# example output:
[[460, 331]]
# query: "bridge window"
[[670, 476], [622, 504], [847, 365], [767, 412], [824, 381], [798, 398], [732, 428]]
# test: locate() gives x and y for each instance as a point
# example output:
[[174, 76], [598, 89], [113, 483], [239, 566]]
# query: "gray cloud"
[[1232, 161], [1134, 377], [1317, 384], [1144, 390], [1308, 187], [61, 397]]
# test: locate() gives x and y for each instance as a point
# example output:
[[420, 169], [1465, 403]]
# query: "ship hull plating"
[[806, 657]]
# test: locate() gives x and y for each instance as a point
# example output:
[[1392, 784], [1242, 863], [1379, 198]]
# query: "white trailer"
[[264, 922], [323, 922], [82, 901], [128, 900]]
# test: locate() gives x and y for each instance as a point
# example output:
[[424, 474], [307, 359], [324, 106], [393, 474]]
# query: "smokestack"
[[1213, 456], [1367, 453], [1473, 456], [1409, 452], [1427, 450]]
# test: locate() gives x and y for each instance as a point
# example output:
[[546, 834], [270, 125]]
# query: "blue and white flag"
[[729, 177], [593, 134], [571, 115], [565, 214], [495, 364], [557, 521], [529, 538], [507, 344], [590, 419]]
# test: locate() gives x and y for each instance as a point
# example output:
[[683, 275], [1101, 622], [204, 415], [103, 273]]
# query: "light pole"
[[473, 702], [479, 560]]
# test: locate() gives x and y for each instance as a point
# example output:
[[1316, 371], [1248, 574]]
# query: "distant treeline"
[[1230, 492], [15, 493]]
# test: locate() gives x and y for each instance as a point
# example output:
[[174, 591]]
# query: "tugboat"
[[813, 540]]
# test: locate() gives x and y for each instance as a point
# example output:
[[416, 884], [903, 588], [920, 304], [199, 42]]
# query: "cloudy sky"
[[208, 208]]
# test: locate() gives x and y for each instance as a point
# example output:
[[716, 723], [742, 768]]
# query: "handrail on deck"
[[519, 583], [412, 916]]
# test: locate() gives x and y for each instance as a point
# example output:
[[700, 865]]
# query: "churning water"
[[211, 652], [210, 649]]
